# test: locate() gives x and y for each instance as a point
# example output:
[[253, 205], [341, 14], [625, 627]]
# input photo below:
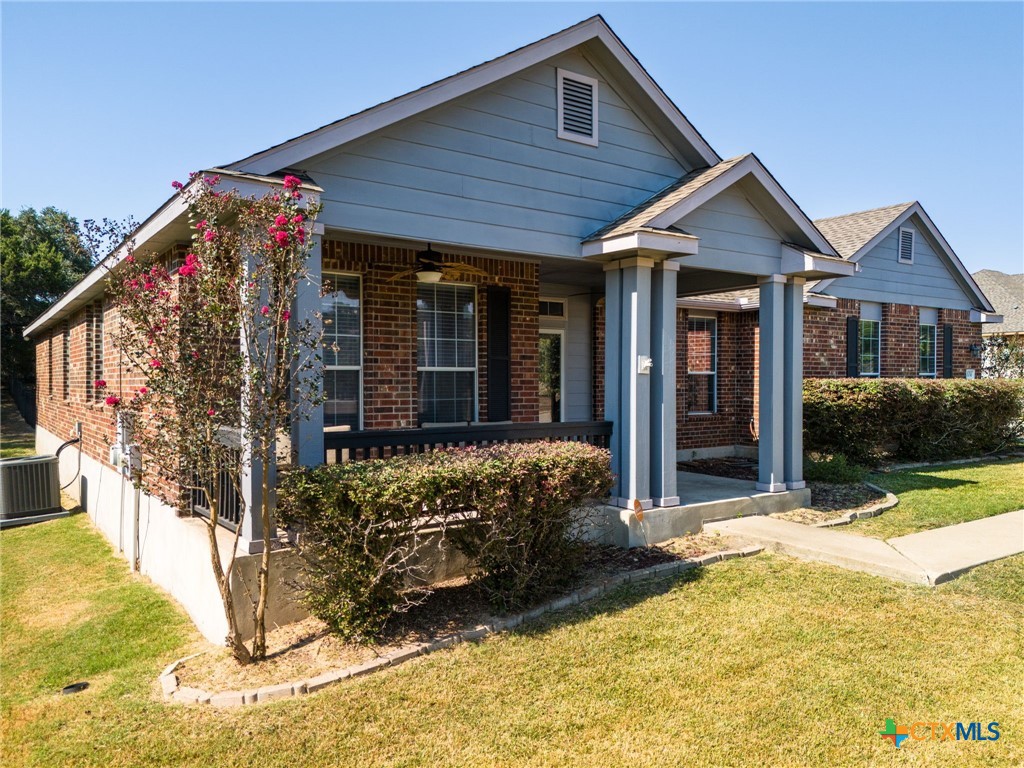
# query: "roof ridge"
[[902, 206]]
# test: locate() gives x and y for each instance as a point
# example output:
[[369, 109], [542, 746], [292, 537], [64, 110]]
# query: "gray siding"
[[928, 282], [728, 224], [489, 170]]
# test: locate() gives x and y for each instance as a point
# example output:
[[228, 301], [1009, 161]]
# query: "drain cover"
[[73, 688]]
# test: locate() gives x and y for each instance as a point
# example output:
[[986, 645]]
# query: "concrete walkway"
[[930, 557]]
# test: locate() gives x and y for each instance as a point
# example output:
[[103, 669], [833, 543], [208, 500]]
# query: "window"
[[94, 350], [343, 352], [906, 254], [870, 339], [446, 353], [702, 365], [552, 308], [928, 324], [551, 364], [66, 362], [49, 365], [577, 108]]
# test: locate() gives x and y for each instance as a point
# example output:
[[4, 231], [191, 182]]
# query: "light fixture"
[[429, 273], [975, 349]]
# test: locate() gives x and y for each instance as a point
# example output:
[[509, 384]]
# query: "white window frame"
[[580, 138], [362, 337], [935, 351], [899, 245], [552, 318], [878, 341], [561, 365], [713, 373], [476, 352]]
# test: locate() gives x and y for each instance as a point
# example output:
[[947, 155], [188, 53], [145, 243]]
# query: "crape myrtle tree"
[[218, 366]]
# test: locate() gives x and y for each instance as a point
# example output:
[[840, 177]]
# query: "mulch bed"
[[831, 500], [307, 649], [734, 467]]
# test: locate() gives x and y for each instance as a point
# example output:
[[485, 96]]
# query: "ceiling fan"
[[430, 269]]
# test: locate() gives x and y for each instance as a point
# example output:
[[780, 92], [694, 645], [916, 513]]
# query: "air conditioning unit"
[[29, 490]]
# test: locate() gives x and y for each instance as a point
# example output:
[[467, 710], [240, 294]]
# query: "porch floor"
[[705, 499]]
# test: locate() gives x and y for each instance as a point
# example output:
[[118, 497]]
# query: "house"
[[1007, 294], [910, 310], [583, 206]]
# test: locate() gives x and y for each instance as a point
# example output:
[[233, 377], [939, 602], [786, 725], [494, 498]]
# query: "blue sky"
[[850, 105]]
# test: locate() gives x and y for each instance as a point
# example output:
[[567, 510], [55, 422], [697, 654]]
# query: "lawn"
[[16, 437], [933, 497], [759, 661]]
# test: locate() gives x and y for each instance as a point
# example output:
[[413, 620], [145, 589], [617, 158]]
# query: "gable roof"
[[662, 210], [858, 233], [849, 233], [592, 31], [1007, 295]]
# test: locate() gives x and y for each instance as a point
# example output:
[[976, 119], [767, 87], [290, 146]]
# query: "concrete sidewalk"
[[930, 557]]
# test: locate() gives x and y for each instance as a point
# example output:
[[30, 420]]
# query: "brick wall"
[[390, 396], [825, 339], [965, 333], [900, 341], [597, 345]]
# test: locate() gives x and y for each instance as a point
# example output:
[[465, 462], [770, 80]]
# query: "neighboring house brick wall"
[[390, 396], [900, 341], [825, 339]]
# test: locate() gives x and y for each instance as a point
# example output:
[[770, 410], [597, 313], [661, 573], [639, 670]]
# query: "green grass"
[[933, 497], [16, 437], [758, 661]]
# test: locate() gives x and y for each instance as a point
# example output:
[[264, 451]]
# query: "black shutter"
[[947, 351], [499, 353], [853, 346]]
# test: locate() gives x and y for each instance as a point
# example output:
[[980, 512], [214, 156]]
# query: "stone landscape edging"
[[180, 694], [860, 514]]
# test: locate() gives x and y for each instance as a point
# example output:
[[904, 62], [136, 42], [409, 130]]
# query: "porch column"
[[307, 431], [250, 539], [771, 380], [627, 376], [663, 384], [793, 384]]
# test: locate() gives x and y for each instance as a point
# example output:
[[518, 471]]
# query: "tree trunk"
[[259, 642], [233, 639]]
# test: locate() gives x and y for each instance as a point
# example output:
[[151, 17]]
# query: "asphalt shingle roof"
[[849, 233], [639, 217], [1006, 292]]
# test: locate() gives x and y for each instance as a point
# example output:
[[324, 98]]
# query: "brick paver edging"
[[859, 514], [187, 695]]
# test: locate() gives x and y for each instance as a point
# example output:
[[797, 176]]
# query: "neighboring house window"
[[65, 377], [702, 365], [870, 335], [577, 108], [552, 308], [94, 360], [343, 353], [928, 324], [446, 353], [906, 254]]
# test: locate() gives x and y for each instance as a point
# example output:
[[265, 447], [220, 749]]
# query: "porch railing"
[[343, 447], [226, 492]]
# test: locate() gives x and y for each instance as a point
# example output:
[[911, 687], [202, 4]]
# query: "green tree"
[[41, 256]]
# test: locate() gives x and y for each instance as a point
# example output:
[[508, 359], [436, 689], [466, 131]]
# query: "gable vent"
[[577, 107], [906, 255]]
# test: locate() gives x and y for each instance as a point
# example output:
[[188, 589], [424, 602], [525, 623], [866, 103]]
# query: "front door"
[[550, 376]]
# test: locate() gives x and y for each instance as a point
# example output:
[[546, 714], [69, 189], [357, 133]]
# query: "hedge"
[[513, 509], [866, 420]]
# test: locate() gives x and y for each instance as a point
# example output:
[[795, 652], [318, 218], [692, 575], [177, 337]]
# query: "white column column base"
[[617, 501], [669, 501], [770, 487], [796, 486]]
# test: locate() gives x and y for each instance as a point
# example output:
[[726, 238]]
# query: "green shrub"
[[911, 419], [832, 469], [527, 536], [512, 509]]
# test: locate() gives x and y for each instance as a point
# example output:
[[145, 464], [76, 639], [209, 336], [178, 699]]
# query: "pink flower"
[[211, 412], [286, 315], [149, 286], [112, 400], [210, 235], [177, 184], [281, 220], [143, 390], [264, 310], [297, 218], [164, 294], [282, 239], [187, 270], [130, 258], [201, 225], [292, 182], [99, 383], [195, 355], [155, 363]]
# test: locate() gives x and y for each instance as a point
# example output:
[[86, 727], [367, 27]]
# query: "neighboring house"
[[911, 310], [590, 205], [1007, 295]]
